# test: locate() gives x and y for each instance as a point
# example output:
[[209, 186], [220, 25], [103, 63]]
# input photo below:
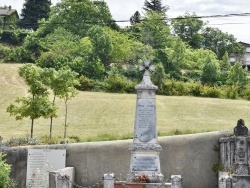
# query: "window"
[[248, 49], [232, 59]]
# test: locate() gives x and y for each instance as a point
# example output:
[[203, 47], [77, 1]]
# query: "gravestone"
[[145, 163], [235, 158], [62, 178], [109, 180], [40, 163], [176, 181]]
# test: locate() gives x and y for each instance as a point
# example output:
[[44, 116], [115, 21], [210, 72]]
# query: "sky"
[[239, 26]]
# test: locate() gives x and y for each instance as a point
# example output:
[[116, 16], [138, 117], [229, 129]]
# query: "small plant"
[[22, 141], [141, 179], [5, 181]]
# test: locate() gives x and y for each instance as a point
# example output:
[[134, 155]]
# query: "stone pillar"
[[227, 152], [109, 180], [63, 178], [241, 161], [176, 181], [229, 182], [145, 162]]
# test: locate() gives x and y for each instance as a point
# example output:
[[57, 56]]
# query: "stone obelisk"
[[145, 162]]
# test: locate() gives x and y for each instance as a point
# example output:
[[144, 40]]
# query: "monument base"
[[141, 185], [145, 177], [240, 181]]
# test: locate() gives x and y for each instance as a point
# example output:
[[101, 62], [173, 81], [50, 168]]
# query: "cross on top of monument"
[[147, 67]]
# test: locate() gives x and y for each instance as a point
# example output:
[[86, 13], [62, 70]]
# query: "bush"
[[212, 92], [16, 54], [22, 141], [231, 92], [85, 84], [196, 89], [13, 37], [245, 93], [116, 83], [5, 181], [173, 87]]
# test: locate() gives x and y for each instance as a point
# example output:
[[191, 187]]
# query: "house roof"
[[244, 44], [6, 11]]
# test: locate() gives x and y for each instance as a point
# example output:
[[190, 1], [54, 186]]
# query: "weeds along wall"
[[191, 156]]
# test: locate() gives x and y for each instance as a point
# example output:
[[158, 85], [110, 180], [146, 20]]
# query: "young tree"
[[237, 76], [62, 84], [210, 72], [33, 11], [37, 105], [224, 68]]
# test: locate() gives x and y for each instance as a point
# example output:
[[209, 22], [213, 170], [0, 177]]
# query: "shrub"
[[16, 54], [5, 181], [85, 84], [13, 37], [116, 83], [212, 92], [245, 93], [231, 92], [173, 87], [22, 141], [196, 89]]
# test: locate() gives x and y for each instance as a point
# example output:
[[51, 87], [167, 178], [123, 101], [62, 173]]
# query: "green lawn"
[[94, 114]]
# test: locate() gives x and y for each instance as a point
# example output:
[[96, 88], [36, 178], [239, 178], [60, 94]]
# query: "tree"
[[189, 28], [79, 16], [156, 6], [33, 11], [154, 31], [237, 76], [159, 74], [101, 42], [37, 105], [176, 56], [210, 71], [224, 68], [136, 18], [62, 84], [220, 42]]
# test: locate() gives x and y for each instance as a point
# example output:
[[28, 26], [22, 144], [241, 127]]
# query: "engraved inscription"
[[144, 164], [145, 120]]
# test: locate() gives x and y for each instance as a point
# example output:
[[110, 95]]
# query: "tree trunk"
[[65, 120], [51, 120], [31, 129]]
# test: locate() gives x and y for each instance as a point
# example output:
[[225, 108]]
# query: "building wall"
[[191, 156]]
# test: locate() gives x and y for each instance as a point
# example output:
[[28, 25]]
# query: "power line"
[[162, 19]]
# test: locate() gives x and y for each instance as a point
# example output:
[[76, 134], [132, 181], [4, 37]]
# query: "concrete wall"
[[191, 156]]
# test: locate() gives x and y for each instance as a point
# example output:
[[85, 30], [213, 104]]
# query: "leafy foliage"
[[237, 76], [210, 72], [37, 105], [188, 28], [5, 169], [155, 5], [33, 11]]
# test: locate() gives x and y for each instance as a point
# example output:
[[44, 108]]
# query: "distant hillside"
[[93, 114]]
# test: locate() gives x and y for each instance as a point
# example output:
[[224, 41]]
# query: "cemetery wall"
[[191, 156]]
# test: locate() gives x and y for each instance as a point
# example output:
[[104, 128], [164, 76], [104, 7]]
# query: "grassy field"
[[93, 115]]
